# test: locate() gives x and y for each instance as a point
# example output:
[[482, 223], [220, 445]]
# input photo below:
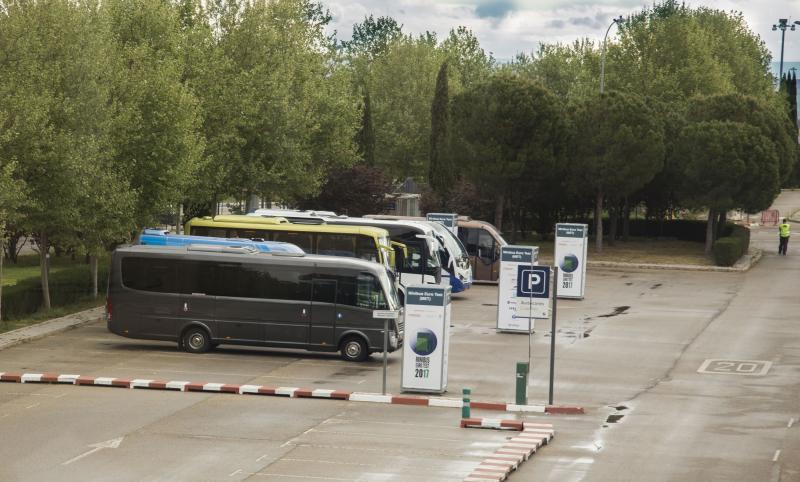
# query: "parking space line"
[[791, 422], [777, 454], [235, 472]]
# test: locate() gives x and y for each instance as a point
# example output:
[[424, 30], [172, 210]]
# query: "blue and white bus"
[[156, 237]]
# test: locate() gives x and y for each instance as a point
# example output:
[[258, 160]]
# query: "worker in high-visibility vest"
[[783, 235]]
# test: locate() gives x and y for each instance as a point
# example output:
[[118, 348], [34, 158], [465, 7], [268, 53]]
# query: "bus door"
[[322, 322]]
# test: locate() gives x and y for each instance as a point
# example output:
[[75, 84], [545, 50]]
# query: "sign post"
[[570, 258], [386, 315], [427, 344], [449, 220], [523, 290], [553, 335]]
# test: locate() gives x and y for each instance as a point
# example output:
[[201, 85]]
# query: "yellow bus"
[[362, 242]]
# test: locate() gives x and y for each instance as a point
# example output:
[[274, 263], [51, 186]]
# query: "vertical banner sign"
[[450, 221], [511, 316], [570, 257], [427, 343]]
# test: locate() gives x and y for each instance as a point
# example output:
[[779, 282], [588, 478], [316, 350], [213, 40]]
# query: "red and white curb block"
[[513, 453], [492, 423], [293, 392]]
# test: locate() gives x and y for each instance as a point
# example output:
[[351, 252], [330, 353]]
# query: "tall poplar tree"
[[441, 174]]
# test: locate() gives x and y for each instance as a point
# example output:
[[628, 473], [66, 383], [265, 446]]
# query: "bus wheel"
[[355, 349], [196, 340]]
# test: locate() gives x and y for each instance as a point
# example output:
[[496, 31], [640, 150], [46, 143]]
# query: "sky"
[[506, 27]]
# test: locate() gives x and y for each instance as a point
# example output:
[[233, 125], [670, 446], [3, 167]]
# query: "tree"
[[372, 37], [60, 112], [366, 135], [767, 115], [469, 61], [280, 112], [504, 126], [617, 146], [727, 165], [337, 193], [156, 133], [441, 173], [11, 197], [401, 85]]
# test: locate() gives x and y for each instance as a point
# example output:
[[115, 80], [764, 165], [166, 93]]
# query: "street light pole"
[[783, 24], [603, 56]]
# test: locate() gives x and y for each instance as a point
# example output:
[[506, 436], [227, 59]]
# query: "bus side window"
[[213, 232], [303, 240], [336, 244], [366, 248], [150, 274]]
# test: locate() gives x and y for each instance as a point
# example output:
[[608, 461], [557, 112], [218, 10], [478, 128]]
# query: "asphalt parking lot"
[[629, 354]]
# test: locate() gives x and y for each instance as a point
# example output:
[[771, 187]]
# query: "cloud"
[[596, 22], [494, 8]]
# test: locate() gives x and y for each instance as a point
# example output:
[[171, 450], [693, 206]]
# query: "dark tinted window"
[[336, 244], [150, 274], [303, 240], [256, 234], [365, 248], [324, 291], [196, 277], [362, 290], [239, 280], [469, 237], [486, 246]]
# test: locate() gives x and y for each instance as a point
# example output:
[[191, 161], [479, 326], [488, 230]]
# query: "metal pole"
[[385, 351], [553, 334], [783, 36], [530, 338]]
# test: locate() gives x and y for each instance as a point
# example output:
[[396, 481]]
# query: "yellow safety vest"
[[784, 228]]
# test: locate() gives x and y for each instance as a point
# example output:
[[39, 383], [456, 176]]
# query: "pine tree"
[[440, 173], [793, 96], [366, 135]]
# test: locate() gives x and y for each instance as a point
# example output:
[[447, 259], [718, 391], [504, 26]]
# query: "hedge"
[[728, 250], [66, 286]]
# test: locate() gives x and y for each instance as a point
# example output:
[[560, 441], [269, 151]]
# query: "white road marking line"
[[34, 405], [263, 457], [360, 382], [791, 422], [271, 474], [318, 461], [85, 454], [235, 472], [777, 454]]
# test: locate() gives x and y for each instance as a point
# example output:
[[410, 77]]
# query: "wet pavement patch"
[[655, 286], [619, 310], [488, 304], [614, 418]]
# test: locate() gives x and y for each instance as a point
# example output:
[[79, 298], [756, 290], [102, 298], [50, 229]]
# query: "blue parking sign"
[[533, 281]]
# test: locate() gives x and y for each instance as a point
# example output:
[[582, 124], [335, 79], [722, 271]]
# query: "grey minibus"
[[203, 296]]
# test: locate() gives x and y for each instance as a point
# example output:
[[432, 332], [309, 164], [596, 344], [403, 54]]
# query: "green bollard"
[[522, 383], [465, 405]]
